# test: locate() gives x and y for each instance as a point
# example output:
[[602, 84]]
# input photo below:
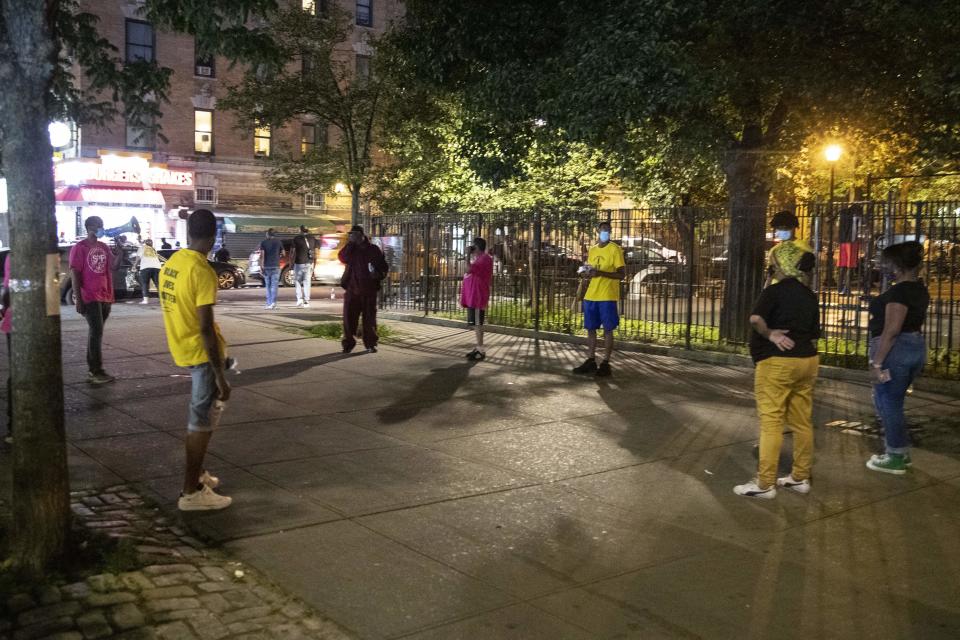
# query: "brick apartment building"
[[118, 172]]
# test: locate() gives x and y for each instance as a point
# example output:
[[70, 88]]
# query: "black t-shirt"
[[912, 294], [303, 249], [790, 306]]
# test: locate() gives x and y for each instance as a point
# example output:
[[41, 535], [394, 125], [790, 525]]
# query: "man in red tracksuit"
[[365, 268]]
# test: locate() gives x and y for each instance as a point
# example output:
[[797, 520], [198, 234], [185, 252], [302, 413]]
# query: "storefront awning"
[[89, 196], [254, 224]]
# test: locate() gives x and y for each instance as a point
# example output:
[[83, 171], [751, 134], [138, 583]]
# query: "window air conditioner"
[[204, 71]]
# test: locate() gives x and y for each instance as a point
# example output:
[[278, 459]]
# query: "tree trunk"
[[41, 491], [748, 185], [355, 203]]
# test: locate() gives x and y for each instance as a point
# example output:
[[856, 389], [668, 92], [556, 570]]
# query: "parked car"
[[229, 275], [647, 265], [641, 242], [327, 268]]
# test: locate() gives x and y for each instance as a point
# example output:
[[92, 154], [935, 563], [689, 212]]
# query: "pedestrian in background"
[[222, 254], [475, 293], [302, 252], [898, 351], [188, 294], [149, 263], [786, 327], [271, 250], [364, 268], [91, 268], [6, 326], [164, 245], [605, 269]]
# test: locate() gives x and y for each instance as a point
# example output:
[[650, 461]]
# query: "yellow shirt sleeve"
[[205, 285]]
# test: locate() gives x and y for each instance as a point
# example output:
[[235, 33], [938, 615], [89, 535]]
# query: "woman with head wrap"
[[786, 327]]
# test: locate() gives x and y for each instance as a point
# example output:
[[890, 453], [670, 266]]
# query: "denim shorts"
[[203, 394], [600, 313]]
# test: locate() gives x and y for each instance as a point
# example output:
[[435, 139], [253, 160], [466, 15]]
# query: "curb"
[[931, 385]]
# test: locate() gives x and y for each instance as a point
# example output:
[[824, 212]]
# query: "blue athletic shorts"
[[600, 314]]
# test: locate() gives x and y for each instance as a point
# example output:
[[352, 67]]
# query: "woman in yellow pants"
[[786, 326]]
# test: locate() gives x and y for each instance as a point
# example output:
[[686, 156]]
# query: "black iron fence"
[[677, 263]]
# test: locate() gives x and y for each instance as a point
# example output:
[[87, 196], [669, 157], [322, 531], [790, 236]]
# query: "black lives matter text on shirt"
[[912, 294], [789, 306]]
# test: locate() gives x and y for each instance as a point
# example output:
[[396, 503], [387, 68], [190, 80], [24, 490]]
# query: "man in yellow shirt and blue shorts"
[[605, 269], [188, 291]]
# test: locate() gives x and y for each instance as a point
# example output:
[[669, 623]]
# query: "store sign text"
[[79, 173]]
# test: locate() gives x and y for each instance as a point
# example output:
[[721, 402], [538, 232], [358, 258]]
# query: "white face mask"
[[782, 234]]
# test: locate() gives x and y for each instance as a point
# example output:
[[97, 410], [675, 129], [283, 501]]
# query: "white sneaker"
[[306, 305], [144, 301], [208, 480], [800, 486], [752, 490], [299, 305], [100, 378], [203, 500]]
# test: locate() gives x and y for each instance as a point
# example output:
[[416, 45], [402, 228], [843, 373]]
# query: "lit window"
[[313, 201], [308, 137], [261, 142], [365, 13], [206, 195], [203, 65], [141, 135], [140, 41], [203, 131]]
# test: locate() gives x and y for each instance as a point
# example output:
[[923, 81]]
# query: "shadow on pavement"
[[286, 369], [435, 389]]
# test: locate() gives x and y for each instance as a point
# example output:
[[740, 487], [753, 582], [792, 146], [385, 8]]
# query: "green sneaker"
[[888, 463]]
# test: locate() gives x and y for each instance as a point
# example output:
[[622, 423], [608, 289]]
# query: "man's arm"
[[619, 274], [75, 278], [211, 345]]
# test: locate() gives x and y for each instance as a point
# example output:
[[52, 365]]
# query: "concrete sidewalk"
[[410, 494]]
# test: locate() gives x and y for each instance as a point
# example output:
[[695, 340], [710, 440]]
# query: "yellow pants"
[[784, 391]]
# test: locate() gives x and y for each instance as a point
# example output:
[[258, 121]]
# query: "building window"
[[306, 63], [363, 67], [261, 142], [142, 135], [203, 131], [314, 7], [140, 42], [313, 201], [206, 195], [365, 13], [203, 64], [311, 135]]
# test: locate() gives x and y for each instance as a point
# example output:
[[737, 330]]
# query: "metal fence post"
[[691, 241], [426, 266], [537, 244]]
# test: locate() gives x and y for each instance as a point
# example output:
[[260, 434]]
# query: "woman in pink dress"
[[476, 292]]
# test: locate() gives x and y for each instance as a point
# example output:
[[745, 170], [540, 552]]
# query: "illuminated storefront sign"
[[116, 170]]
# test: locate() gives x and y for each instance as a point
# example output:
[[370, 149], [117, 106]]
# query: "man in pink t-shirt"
[[91, 268]]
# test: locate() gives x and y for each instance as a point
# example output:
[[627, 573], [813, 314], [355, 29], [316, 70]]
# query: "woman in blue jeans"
[[898, 350]]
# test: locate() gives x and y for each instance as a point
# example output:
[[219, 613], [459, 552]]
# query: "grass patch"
[[334, 331]]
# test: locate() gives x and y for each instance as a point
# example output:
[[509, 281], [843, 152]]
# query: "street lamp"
[[60, 134], [832, 153]]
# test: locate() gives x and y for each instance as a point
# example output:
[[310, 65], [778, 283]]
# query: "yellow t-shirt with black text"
[[187, 281], [606, 258]]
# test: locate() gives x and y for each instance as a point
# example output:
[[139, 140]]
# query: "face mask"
[[782, 234], [99, 232], [604, 236]]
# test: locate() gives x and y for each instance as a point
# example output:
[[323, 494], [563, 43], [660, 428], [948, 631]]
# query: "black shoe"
[[348, 349], [472, 354], [477, 355], [371, 349], [603, 370], [589, 366]]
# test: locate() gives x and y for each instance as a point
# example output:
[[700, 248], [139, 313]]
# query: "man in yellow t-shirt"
[[605, 269], [188, 291]]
